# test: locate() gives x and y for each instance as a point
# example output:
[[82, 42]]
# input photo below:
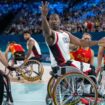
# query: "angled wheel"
[[70, 89], [1, 89], [31, 70]]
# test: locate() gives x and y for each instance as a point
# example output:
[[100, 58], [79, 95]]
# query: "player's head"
[[27, 35], [11, 42], [87, 36], [54, 21]]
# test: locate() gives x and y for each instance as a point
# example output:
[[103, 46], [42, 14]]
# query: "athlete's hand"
[[44, 8], [11, 68], [101, 42], [26, 60], [98, 69]]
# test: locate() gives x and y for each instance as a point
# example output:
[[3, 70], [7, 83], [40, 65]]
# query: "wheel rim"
[[28, 70], [73, 94]]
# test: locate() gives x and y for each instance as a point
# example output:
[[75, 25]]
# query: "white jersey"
[[36, 52], [59, 51]]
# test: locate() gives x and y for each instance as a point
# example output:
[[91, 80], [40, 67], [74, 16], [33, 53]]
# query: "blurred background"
[[77, 17]]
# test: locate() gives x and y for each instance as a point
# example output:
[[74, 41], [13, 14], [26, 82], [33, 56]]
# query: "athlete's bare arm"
[[30, 46], [84, 43], [100, 56], [47, 31], [73, 47], [6, 52], [3, 59], [92, 58]]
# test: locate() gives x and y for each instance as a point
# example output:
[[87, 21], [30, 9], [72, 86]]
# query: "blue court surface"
[[29, 94]]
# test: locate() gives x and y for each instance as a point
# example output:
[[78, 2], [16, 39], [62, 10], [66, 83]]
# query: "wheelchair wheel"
[[51, 86], [71, 91], [1, 89], [32, 70], [5, 90]]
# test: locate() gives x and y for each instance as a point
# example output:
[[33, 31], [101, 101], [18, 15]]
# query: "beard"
[[27, 39], [55, 27]]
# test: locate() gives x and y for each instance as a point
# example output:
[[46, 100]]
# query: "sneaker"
[[101, 91]]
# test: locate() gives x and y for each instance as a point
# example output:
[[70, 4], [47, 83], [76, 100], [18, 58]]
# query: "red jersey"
[[15, 48], [82, 55]]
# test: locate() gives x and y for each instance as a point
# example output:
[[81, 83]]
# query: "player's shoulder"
[[66, 32], [31, 39]]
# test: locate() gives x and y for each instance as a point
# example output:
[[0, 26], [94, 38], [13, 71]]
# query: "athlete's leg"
[[8, 88]]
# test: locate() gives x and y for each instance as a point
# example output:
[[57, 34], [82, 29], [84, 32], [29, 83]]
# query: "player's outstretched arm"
[[45, 25], [84, 43], [99, 58], [6, 53], [100, 55]]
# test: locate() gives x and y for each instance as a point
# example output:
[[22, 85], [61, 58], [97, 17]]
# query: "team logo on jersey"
[[66, 40]]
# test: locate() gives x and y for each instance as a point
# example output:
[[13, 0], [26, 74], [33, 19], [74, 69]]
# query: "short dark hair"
[[54, 15], [26, 31], [10, 42]]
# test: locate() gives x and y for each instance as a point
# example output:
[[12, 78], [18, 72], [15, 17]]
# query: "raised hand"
[[44, 8]]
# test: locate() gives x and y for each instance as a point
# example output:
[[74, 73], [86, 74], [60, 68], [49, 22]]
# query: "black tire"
[[27, 75], [1, 88], [71, 74]]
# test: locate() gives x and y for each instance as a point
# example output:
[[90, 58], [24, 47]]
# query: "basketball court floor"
[[31, 93]]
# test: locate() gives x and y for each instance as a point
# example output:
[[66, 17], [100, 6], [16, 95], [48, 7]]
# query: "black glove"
[[11, 68]]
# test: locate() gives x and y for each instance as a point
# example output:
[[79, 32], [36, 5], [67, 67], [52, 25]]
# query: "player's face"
[[26, 36], [86, 37], [54, 22]]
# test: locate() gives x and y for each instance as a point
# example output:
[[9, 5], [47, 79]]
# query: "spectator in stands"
[[74, 21]]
